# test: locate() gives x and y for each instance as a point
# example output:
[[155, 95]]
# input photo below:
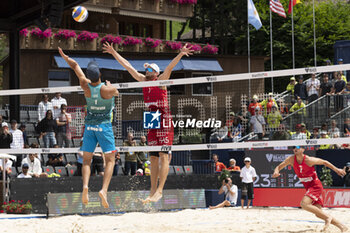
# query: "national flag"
[[253, 16], [277, 7], [290, 5]]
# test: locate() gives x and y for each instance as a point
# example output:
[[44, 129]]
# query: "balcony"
[[154, 9]]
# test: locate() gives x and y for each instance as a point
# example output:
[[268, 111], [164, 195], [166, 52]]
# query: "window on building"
[[202, 89], [59, 78], [146, 30]]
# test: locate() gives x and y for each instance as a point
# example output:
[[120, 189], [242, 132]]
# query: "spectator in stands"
[[219, 134], [346, 93], [34, 165], [229, 123], [298, 135], [315, 134], [22, 127], [130, 157], [346, 127], [5, 136], [56, 160], [244, 118], [305, 131], [43, 107], [7, 168], [298, 105], [57, 102], [339, 88], [80, 159], [141, 156], [347, 176], [253, 105], [25, 169], [235, 130], [257, 123], [219, 166], [63, 120], [118, 164], [334, 129], [233, 166], [291, 85], [343, 76], [231, 194], [326, 86], [335, 146], [248, 176], [300, 89], [274, 118], [327, 146], [267, 104], [283, 108], [281, 134], [98, 164], [313, 87], [48, 127], [17, 140], [324, 127]]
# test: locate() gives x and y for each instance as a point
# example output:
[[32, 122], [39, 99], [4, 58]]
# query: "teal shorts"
[[101, 134]]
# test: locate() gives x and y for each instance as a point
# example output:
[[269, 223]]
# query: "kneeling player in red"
[[303, 166]]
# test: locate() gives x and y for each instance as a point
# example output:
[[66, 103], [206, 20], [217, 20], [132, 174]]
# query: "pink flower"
[[131, 41], [41, 34], [173, 45], [24, 32], [194, 47], [111, 39], [86, 36], [152, 43], [210, 49], [65, 34]]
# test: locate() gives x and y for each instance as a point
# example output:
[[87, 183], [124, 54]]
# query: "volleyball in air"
[[80, 14]]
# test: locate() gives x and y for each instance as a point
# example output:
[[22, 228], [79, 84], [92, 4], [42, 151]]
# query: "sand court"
[[189, 220]]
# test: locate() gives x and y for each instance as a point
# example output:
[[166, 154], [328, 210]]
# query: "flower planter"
[[37, 43], [150, 5], [100, 45], [26, 211], [128, 4], [186, 10], [23, 42], [169, 8], [167, 50], [131, 48], [151, 50], [65, 44], [86, 45]]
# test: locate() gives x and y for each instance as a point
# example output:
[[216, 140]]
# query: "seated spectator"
[[24, 174], [305, 131], [281, 134], [257, 123], [327, 146], [267, 104], [312, 87], [130, 157], [300, 89], [220, 134], [233, 166], [244, 118], [34, 166], [253, 105], [47, 128], [235, 130], [56, 160], [291, 85], [231, 193], [98, 164], [219, 166], [298, 135], [274, 118], [334, 129], [5, 136], [315, 134], [298, 105], [346, 130], [336, 146], [324, 127]]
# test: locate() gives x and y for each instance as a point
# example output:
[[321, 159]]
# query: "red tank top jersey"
[[306, 174]]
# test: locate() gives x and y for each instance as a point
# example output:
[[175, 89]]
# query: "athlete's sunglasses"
[[149, 69]]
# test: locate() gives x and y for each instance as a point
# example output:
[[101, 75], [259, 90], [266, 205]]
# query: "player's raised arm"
[[285, 163], [316, 161], [111, 90], [167, 72], [76, 68], [108, 48]]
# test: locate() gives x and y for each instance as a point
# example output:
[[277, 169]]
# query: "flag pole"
[[249, 82], [293, 57], [271, 48], [314, 21]]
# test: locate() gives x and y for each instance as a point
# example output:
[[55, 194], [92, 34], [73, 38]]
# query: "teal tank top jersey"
[[99, 110]]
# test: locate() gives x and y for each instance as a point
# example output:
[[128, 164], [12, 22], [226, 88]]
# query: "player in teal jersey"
[[98, 128]]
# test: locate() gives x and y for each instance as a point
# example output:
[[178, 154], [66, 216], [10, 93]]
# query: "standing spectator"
[[346, 93], [219, 166], [141, 156], [339, 88], [57, 102], [291, 85], [22, 127], [118, 164], [248, 176], [298, 105], [253, 105], [312, 87], [43, 107], [326, 86], [298, 135], [17, 141], [233, 166], [267, 104], [48, 127], [231, 194], [98, 164], [25, 169], [281, 134], [346, 127], [274, 118], [257, 123], [63, 120], [334, 129], [300, 89], [283, 108], [5, 136], [244, 118], [130, 157]]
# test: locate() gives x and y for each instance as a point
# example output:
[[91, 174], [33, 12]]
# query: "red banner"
[[292, 197]]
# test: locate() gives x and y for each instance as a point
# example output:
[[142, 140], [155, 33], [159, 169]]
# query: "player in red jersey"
[[303, 166], [156, 100]]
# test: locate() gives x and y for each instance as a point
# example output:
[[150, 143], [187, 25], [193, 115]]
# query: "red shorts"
[[315, 193]]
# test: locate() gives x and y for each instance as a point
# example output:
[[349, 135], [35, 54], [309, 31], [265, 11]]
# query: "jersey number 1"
[[95, 102]]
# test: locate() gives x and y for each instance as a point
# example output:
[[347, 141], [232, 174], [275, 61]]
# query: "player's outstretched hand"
[[108, 48], [275, 175], [63, 55], [340, 172], [186, 50]]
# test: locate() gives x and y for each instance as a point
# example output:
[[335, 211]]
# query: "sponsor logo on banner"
[[269, 157], [259, 75], [211, 79], [165, 148], [310, 70], [311, 142], [123, 85], [260, 144], [123, 149], [166, 83], [210, 146], [45, 90], [45, 150], [336, 198], [277, 157]]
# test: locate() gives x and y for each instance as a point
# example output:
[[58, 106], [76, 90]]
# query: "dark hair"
[[34, 145], [63, 106]]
